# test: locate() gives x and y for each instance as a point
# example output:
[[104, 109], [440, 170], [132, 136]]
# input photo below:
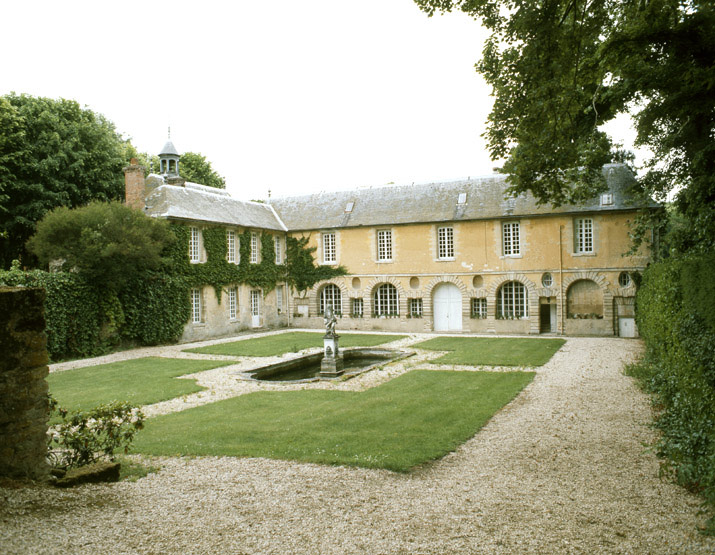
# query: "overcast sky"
[[292, 96]]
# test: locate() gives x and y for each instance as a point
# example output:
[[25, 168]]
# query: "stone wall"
[[23, 389]]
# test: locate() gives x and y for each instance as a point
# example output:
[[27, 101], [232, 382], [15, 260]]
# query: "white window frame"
[[255, 247], [196, 306], [232, 256], [445, 243], [279, 298], [330, 294], [278, 249], [330, 253], [386, 300], [384, 245], [584, 243], [510, 232], [478, 307], [232, 303], [194, 245], [416, 307], [512, 301], [357, 307]]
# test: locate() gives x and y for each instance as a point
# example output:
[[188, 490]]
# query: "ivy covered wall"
[[84, 319]]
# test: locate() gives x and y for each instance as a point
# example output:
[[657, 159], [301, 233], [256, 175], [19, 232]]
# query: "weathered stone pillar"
[[24, 409]]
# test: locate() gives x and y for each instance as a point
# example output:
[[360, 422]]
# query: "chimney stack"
[[134, 185]]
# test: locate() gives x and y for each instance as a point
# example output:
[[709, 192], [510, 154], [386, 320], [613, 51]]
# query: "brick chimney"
[[134, 185]]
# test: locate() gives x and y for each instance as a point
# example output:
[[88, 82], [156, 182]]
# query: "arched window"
[[385, 301], [584, 299], [330, 297], [513, 300]]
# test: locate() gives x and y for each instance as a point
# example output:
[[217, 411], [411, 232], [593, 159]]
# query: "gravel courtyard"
[[564, 468]]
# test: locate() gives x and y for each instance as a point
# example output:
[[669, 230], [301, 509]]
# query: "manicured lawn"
[[417, 417], [140, 381], [493, 351], [294, 341]]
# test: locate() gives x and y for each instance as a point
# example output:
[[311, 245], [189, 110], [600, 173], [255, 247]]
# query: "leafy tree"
[[195, 168], [559, 69], [108, 243], [52, 153]]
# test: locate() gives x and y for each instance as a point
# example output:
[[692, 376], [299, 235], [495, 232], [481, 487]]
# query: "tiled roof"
[[434, 202], [206, 204]]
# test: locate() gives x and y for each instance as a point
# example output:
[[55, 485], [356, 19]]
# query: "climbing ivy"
[[86, 319]]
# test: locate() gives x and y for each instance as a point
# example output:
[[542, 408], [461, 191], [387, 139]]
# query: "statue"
[[330, 320]]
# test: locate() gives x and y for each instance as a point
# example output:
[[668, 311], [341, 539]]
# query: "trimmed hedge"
[[674, 314]]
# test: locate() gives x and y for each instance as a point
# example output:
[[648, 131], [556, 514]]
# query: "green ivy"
[[679, 370], [85, 319]]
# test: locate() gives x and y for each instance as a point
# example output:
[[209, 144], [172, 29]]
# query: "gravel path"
[[562, 469]]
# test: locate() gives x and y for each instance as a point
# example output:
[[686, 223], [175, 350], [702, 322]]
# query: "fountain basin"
[[306, 368]]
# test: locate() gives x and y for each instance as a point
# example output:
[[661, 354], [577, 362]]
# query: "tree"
[[195, 168], [52, 153], [107, 242], [559, 69]]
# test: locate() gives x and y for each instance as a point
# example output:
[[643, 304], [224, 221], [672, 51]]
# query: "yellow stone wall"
[[478, 269]]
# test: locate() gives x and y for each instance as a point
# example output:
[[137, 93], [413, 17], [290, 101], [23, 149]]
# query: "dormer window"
[[606, 199], [462, 198]]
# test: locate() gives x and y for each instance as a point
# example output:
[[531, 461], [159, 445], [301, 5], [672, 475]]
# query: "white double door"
[[447, 307]]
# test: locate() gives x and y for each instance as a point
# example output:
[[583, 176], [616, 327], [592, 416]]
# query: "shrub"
[[679, 370], [84, 437]]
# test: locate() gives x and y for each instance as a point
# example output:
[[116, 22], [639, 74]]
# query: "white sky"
[[292, 96]]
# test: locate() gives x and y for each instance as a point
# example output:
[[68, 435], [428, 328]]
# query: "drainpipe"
[[561, 278]]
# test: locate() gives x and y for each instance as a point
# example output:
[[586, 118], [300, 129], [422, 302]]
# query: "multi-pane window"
[[195, 306], [255, 247], [445, 242], [329, 252], [356, 307], [416, 308], [278, 249], [512, 300], [194, 244], [232, 255], [510, 239], [280, 298], [479, 307], [547, 280], [624, 279], [232, 303], [384, 245], [385, 301], [330, 297], [584, 235]]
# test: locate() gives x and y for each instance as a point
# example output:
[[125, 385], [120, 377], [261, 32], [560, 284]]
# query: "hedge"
[[674, 308]]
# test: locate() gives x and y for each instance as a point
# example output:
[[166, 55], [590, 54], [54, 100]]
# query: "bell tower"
[[169, 159]]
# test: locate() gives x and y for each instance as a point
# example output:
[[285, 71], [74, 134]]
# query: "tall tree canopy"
[[197, 169], [559, 69], [52, 153]]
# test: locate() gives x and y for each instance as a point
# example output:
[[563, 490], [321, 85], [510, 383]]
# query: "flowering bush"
[[84, 437]]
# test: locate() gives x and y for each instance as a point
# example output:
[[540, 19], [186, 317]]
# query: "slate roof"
[[199, 203], [169, 148], [434, 202]]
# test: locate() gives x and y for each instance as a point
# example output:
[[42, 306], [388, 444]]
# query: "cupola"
[[169, 159]]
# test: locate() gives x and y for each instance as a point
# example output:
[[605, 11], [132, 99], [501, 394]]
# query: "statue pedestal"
[[332, 363]]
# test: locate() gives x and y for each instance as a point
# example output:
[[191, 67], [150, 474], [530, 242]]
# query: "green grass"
[[417, 417], [272, 345], [493, 351], [140, 381]]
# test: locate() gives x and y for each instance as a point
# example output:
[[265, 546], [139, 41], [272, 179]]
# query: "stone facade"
[[24, 408]]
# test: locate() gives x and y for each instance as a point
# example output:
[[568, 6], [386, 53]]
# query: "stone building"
[[455, 256], [460, 256], [199, 207]]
